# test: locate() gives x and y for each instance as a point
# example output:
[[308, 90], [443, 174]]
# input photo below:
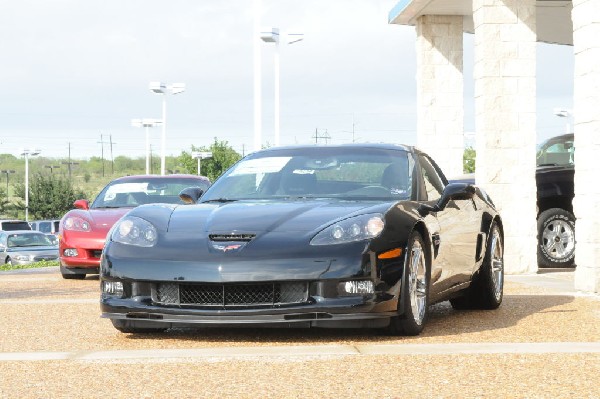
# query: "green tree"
[[223, 156], [4, 202], [469, 160], [50, 196]]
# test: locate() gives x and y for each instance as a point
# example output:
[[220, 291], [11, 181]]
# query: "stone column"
[[505, 120], [440, 89], [586, 111]]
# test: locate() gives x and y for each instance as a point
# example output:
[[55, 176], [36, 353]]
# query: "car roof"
[[387, 146]]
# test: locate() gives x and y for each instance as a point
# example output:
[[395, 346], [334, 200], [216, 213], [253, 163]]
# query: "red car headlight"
[[75, 223]]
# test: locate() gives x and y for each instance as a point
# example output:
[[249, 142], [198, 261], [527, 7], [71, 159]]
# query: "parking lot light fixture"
[[199, 155], [565, 113], [271, 35], [164, 89], [28, 153], [146, 123]]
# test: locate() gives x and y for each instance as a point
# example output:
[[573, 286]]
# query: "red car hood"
[[101, 219]]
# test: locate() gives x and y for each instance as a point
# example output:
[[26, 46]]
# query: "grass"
[[46, 263]]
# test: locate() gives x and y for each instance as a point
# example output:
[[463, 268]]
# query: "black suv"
[[554, 177], [555, 191]]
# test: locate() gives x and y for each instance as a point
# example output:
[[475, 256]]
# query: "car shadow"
[[444, 321]]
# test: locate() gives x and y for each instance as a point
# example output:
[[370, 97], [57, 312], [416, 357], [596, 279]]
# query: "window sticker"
[[260, 165]]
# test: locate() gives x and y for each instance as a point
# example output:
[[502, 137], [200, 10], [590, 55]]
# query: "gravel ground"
[[44, 313]]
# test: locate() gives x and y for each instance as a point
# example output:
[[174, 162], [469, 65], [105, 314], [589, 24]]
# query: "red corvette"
[[83, 230]]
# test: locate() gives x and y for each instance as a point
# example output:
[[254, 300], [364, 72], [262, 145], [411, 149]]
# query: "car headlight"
[[357, 228], [76, 223], [22, 257], [132, 230]]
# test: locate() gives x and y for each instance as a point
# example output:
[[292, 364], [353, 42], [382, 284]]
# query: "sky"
[[74, 73]]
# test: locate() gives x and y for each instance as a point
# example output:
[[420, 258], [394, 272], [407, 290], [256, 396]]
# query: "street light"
[[7, 172], [28, 153], [271, 35], [199, 155], [564, 113], [164, 89], [146, 123]]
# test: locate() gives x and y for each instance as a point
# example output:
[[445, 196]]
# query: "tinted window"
[[11, 226], [45, 227]]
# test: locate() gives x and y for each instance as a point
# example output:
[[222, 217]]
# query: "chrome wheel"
[[558, 239], [497, 263], [417, 282]]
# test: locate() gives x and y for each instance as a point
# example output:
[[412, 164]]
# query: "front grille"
[[231, 295]]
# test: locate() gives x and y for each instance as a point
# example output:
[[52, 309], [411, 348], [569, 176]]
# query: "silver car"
[[22, 247]]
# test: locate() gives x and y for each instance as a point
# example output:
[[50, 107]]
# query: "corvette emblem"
[[227, 247]]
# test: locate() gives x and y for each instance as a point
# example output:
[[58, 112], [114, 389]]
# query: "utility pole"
[[69, 163], [102, 142], [112, 160], [318, 136]]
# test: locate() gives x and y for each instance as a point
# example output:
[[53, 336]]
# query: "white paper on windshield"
[[260, 166], [124, 188]]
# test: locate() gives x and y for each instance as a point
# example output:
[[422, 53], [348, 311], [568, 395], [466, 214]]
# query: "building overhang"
[[554, 24]]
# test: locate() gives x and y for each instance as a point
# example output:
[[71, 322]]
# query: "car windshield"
[[557, 151], [19, 240], [145, 190], [317, 172]]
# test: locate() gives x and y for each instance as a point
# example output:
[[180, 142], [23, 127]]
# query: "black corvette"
[[309, 236]]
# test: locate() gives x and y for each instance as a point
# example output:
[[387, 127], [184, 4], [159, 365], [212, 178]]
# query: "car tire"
[[137, 326], [487, 286], [556, 238], [8, 261], [413, 308]]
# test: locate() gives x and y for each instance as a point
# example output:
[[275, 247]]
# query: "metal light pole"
[[257, 76], [199, 155], [27, 153], [163, 89], [7, 172], [564, 113], [271, 35], [146, 123]]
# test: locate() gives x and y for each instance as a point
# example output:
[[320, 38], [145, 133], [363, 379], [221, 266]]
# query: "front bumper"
[[351, 312]]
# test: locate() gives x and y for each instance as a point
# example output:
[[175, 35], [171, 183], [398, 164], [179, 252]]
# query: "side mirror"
[[453, 191], [191, 195], [82, 204]]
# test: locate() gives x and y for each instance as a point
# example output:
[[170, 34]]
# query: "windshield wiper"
[[221, 200], [112, 206]]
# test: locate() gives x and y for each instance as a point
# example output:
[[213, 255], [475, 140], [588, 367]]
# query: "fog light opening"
[[357, 287], [113, 288]]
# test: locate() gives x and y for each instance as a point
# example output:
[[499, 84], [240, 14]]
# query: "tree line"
[[53, 187]]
